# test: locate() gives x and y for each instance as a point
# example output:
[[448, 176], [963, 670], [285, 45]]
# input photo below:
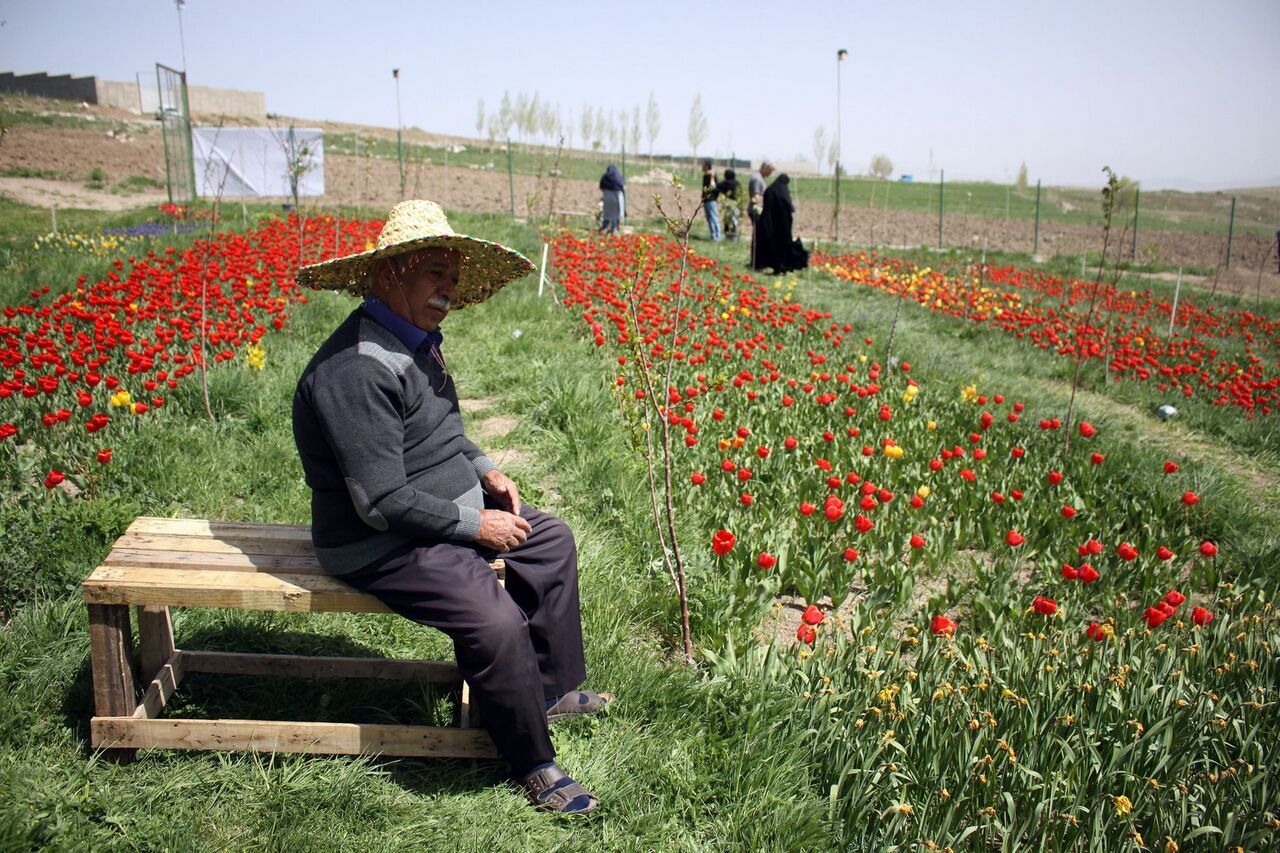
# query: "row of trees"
[[538, 121]]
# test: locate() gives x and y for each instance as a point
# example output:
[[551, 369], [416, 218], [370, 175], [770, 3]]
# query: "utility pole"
[[395, 72], [840, 55], [182, 39]]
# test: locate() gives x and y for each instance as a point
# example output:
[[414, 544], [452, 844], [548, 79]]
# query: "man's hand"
[[503, 489], [502, 531]]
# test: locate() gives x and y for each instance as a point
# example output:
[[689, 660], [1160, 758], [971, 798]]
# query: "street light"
[[182, 39], [840, 55], [395, 72]]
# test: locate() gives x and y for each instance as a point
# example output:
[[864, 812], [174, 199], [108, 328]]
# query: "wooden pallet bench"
[[161, 563]]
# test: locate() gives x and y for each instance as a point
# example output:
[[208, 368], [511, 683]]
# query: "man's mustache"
[[440, 303]]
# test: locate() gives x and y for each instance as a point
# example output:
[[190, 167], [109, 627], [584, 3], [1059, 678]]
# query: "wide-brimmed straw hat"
[[419, 224]]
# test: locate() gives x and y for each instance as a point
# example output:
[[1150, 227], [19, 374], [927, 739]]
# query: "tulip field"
[[1094, 663], [930, 609]]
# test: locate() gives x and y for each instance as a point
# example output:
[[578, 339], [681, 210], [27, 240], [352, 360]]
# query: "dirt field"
[[123, 145]]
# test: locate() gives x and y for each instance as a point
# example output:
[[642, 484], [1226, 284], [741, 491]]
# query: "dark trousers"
[[516, 647]]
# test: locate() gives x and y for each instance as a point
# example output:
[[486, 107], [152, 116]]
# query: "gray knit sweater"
[[380, 436]]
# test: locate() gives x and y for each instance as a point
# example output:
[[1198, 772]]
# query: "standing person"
[[755, 201], [406, 508], [613, 192], [709, 206], [727, 189], [775, 248]]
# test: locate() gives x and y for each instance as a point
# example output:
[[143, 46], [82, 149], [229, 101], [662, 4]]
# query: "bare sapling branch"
[[1110, 194]]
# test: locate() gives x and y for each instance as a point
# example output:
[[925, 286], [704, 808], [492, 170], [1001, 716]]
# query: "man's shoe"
[[551, 789], [577, 702]]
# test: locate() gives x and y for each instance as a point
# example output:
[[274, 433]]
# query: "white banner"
[[258, 161]]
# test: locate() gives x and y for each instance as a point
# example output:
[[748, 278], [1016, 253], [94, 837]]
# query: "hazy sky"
[[1179, 93]]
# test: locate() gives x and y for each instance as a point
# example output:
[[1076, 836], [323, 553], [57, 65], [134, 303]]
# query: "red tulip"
[[104, 455], [1127, 551], [807, 508], [1170, 467], [1097, 459], [1154, 617], [1164, 553], [942, 626], [1014, 538], [1070, 572], [1055, 477], [1208, 549], [1190, 498], [697, 478], [863, 524], [790, 443], [1087, 429], [1174, 598], [53, 479], [812, 615], [1068, 512], [766, 560], [806, 634], [1201, 617], [1088, 574], [917, 541], [1096, 632], [850, 554], [1044, 606], [722, 542], [746, 499]]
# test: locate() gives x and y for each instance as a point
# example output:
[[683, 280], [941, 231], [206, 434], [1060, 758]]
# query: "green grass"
[[689, 759], [1257, 211]]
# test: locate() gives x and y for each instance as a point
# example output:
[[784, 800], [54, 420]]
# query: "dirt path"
[[41, 192]]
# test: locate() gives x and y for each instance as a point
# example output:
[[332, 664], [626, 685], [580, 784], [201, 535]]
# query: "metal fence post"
[[942, 182], [1231, 229], [511, 179], [1036, 248], [1137, 196]]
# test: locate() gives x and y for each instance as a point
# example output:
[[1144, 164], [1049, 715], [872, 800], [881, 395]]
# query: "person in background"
[[775, 248], [709, 206], [613, 192], [727, 189], [755, 201]]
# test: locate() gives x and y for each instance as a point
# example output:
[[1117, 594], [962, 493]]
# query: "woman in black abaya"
[[775, 248]]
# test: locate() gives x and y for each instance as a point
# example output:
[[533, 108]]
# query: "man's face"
[[766, 170], [419, 287]]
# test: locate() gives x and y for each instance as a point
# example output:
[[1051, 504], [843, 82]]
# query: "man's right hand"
[[501, 531]]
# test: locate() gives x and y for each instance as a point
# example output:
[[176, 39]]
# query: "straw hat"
[[419, 224]]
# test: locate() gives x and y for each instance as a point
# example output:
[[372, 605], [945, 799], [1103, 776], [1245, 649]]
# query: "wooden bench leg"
[[111, 655], [155, 640]]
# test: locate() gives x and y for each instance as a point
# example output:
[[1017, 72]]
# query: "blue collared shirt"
[[411, 336]]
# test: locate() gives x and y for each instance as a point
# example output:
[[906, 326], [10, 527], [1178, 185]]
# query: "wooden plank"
[[281, 736], [314, 666], [219, 529], [161, 688], [155, 640], [225, 545], [282, 591], [200, 561], [111, 656]]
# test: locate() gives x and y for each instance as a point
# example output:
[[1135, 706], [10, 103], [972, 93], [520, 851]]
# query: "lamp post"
[[395, 72], [840, 55], [182, 39]]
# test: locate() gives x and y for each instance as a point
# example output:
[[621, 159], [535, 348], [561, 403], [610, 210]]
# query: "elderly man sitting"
[[406, 508]]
